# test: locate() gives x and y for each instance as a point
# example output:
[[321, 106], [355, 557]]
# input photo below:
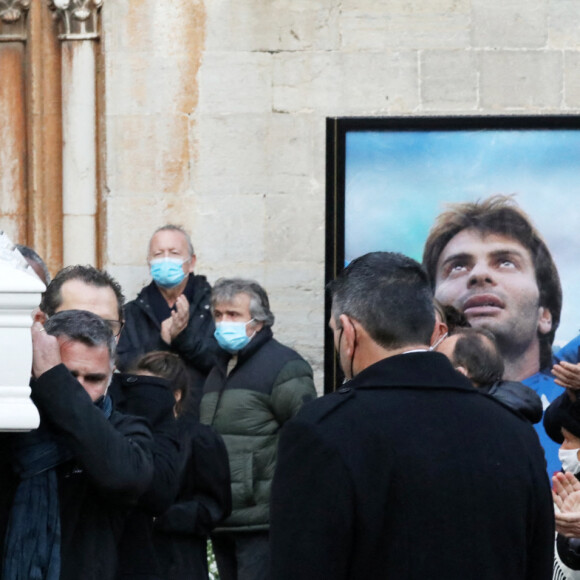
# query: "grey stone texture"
[[449, 80], [572, 80], [524, 80], [509, 23]]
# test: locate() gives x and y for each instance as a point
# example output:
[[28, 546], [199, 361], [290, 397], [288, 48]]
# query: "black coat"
[[204, 500], [408, 472], [150, 398], [195, 344], [518, 397], [111, 468], [569, 551]]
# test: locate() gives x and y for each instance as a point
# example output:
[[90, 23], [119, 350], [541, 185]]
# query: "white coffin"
[[20, 292]]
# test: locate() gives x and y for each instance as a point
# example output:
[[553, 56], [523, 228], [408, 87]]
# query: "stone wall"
[[215, 117]]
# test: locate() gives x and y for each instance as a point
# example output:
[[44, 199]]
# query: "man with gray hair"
[[256, 386], [73, 479], [173, 311]]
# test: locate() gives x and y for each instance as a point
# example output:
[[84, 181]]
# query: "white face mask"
[[569, 460]]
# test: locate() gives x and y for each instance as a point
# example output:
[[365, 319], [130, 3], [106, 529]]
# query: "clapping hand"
[[566, 495], [567, 375], [177, 322]]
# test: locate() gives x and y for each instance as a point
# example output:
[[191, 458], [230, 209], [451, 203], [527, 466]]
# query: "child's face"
[[570, 441]]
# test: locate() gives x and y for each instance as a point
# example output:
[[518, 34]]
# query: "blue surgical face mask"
[[231, 336], [167, 272]]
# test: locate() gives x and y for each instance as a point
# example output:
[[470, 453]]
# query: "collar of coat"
[[412, 370]]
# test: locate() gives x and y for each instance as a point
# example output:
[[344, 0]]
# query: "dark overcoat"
[[111, 467], [408, 472], [151, 398], [204, 499]]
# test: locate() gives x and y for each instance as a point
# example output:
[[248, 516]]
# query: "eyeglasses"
[[115, 325]]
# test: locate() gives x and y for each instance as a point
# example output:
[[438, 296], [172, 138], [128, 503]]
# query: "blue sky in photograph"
[[397, 182]]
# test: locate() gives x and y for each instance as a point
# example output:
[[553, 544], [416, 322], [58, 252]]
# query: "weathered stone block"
[[148, 154], [266, 154], [293, 227], [162, 28], [305, 275], [131, 278], [520, 80], [230, 229], [415, 7], [448, 80], [296, 161], [75, 228], [509, 24], [374, 30], [132, 220], [273, 26], [572, 79], [564, 24], [232, 154], [345, 83], [236, 82], [142, 83]]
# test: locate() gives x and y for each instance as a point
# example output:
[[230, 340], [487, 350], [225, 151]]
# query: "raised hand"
[[178, 320]]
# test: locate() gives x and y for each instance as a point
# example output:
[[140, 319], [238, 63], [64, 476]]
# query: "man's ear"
[[544, 320], [438, 332], [348, 341], [192, 262], [462, 370]]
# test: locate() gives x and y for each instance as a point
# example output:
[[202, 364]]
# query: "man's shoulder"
[[355, 400], [328, 407], [139, 303], [199, 298], [200, 282], [282, 363], [280, 352]]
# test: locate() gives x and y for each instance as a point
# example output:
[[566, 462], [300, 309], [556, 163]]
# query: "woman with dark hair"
[[204, 497]]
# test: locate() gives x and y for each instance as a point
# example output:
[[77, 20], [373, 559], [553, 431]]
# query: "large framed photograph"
[[388, 179]]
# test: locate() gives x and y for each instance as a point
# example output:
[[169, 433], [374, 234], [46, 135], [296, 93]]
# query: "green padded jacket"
[[268, 385]]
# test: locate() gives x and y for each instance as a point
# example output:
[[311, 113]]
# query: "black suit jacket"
[[408, 472]]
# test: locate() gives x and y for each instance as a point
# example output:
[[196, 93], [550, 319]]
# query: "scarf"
[[32, 545]]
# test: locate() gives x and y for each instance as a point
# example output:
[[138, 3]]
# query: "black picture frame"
[[338, 132]]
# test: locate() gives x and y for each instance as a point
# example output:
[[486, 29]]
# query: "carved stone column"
[[79, 29], [13, 148]]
